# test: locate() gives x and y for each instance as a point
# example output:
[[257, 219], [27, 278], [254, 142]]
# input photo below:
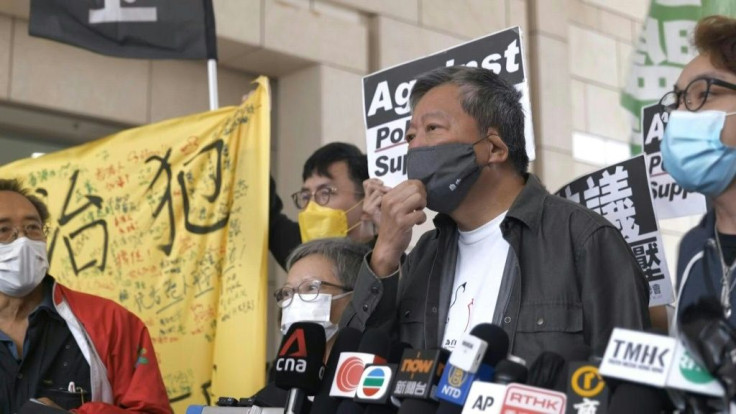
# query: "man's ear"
[[499, 149]]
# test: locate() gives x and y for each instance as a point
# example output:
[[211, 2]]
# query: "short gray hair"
[[346, 256], [490, 100]]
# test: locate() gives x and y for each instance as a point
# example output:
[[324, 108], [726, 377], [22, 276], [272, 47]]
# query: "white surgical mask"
[[316, 311], [23, 264]]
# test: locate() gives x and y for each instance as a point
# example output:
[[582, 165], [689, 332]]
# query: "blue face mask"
[[694, 155]]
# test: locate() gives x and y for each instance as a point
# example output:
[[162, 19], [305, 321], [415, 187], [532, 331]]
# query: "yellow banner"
[[170, 220]]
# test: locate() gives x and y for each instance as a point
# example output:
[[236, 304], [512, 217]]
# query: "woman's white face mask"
[[316, 311], [23, 265]]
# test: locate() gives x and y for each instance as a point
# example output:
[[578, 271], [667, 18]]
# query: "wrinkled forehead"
[[16, 207]]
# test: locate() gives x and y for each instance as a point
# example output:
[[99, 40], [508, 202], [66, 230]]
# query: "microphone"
[[416, 381], [374, 392], [511, 369], [299, 366], [637, 399], [472, 360], [347, 340], [711, 339], [376, 345], [586, 388], [488, 397], [507, 395], [548, 371]]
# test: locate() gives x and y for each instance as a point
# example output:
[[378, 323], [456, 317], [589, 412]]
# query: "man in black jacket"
[[556, 276]]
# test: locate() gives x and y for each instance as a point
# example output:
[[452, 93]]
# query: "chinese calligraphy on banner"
[[170, 220]]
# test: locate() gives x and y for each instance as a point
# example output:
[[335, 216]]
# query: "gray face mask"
[[448, 171]]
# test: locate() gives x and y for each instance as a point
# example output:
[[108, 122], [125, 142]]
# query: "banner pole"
[[212, 83]]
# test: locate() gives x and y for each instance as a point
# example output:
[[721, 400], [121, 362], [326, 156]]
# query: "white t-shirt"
[[481, 258]]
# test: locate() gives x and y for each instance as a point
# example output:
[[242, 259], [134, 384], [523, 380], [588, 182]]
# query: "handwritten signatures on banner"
[[157, 228]]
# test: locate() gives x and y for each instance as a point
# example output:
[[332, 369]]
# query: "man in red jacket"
[[66, 349]]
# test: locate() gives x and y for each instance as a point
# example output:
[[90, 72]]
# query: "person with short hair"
[[321, 276], [68, 349], [553, 274], [699, 152], [337, 199]]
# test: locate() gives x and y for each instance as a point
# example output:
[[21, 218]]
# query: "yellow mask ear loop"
[[351, 209]]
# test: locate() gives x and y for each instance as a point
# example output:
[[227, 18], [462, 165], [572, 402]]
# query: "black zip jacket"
[[569, 279]]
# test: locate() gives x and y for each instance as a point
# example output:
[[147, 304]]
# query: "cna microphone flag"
[[142, 29], [170, 220]]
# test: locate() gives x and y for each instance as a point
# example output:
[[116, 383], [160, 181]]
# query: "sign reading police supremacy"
[[620, 193], [670, 200], [386, 97]]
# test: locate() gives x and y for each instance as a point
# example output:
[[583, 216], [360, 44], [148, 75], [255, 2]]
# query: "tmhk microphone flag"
[[139, 29], [170, 221]]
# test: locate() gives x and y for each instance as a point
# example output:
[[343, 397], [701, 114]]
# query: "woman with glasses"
[[699, 151], [319, 283]]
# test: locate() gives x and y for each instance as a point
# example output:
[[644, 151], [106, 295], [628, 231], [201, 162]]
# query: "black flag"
[[142, 29]]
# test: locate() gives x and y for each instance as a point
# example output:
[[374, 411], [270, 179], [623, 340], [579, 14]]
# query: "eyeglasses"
[[694, 95], [34, 231], [321, 196], [307, 291]]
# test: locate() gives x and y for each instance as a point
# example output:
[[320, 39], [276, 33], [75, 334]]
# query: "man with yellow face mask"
[[331, 201]]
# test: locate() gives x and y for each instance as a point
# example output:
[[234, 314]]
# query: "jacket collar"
[[527, 207]]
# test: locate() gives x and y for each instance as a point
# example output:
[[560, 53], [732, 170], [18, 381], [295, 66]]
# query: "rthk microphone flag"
[[146, 29]]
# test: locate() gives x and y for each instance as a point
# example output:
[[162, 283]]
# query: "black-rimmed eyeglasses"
[[321, 196], [694, 95]]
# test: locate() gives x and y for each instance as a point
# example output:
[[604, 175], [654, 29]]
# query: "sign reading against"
[[620, 194], [670, 200], [169, 220], [386, 97]]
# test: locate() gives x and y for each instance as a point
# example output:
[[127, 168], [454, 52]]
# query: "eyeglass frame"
[[331, 190], [296, 290], [23, 228], [683, 93]]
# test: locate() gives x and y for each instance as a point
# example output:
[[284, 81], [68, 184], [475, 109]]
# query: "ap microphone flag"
[[145, 29]]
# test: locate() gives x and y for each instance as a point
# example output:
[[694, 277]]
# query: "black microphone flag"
[[147, 29]]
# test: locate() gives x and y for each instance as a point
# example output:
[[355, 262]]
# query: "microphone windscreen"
[[415, 406], [349, 407], [397, 350], [497, 339], [375, 342], [347, 340], [632, 398], [447, 407], [270, 396], [548, 371], [299, 361], [508, 371]]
